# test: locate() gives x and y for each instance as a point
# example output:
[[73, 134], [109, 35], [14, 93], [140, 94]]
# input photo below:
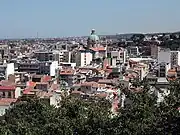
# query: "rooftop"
[[96, 49], [7, 88], [7, 101]]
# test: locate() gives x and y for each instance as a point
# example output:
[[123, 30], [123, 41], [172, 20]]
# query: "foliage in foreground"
[[143, 116]]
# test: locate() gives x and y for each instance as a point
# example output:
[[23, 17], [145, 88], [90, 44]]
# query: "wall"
[[3, 110], [78, 58], [178, 58], [69, 58], [53, 67], [65, 64], [114, 61], [7, 94], [86, 89], [123, 56], [133, 50], [9, 69], [164, 55], [55, 99], [18, 92], [88, 56], [154, 51], [82, 59]]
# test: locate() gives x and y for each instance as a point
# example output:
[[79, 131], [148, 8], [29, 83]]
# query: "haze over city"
[[58, 18], [89, 67]]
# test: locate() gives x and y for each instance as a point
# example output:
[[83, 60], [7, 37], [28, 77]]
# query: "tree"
[[138, 37], [75, 115], [167, 113], [28, 117], [87, 117], [138, 115]]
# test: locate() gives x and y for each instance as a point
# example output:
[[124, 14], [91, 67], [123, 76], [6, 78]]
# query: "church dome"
[[93, 36]]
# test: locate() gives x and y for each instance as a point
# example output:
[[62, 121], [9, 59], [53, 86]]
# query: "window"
[[9, 94], [3, 94], [162, 70], [162, 74]]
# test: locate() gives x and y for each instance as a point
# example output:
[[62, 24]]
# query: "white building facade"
[[169, 57], [84, 57]]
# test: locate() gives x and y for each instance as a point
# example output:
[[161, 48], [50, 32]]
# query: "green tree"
[[138, 116], [87, 117], [34, 117], [138, 37], [76, 116], [167, 113]]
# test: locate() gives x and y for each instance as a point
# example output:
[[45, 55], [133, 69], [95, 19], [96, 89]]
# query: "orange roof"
[[102, 85], [7, 101], [46, 78], [27, 90], [43, 94], [7, 83], [101, 95], [105, 81], [93, 84], [7, 88], [172, 70], [171, 79], [96, 49], [171, 73], [76, 92], [31, 84], [54, 86], [66, 72]]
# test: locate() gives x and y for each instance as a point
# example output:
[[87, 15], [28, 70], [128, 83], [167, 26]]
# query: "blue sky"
[[57, 18]]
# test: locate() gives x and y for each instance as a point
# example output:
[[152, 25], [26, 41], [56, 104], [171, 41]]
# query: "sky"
[[61, 18]]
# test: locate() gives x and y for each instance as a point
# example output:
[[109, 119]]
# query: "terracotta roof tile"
[[101, 95], [31, 84], [105, 81], [7, 83], [27, 90], [96, 49], [54, 87], [93, 84], [7, 101], [7, 88], [66, 72], [46, 78], [76, 92]]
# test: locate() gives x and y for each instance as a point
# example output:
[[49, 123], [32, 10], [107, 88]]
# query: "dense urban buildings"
[[88, 67]]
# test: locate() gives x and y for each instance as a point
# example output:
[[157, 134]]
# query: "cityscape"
[[96, 84]]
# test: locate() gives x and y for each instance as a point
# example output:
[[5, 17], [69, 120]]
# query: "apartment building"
[[168, 56], [62, 56], [133, 51], [83, 57], [43, 55]]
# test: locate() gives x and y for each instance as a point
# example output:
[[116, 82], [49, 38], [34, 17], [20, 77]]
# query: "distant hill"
[[115, 36]]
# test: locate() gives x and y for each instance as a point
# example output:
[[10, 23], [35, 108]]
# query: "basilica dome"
[[93, 36]]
